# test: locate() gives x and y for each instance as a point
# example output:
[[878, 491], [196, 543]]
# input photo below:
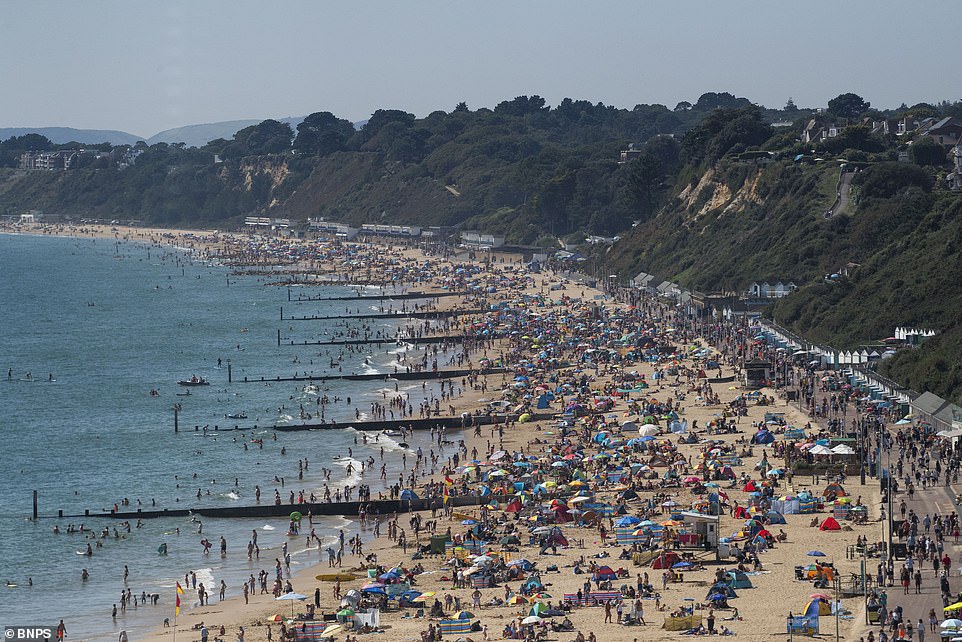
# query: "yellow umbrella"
[[953, 607], [423, 596]]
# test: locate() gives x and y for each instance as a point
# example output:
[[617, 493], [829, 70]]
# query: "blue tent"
[[627, 520], [774, 517], [738, 579], [408, 494], [721, 588], [763, 437]]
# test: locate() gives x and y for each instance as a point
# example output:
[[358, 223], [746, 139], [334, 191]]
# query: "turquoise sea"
[[89, 328]]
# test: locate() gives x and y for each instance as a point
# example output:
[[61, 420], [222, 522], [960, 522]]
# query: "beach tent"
[[763, 437], [818, 606], [833, 491], [408, 494], [774, 517], [604, 573], [749, 487], [738, 579], [627, 520], [666, 559], [829, 525], [721, 588]]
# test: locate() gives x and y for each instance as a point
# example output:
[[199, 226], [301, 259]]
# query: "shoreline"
[[763, 612]]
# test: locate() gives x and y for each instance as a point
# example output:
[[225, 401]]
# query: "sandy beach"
[[547, 304]]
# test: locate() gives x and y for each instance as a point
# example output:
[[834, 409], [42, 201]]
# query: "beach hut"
[[830, 524]]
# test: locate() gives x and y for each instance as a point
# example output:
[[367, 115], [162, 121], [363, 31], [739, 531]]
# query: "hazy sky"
[[143, 67]]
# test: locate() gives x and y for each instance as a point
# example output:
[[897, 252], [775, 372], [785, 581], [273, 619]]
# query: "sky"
[[143, 67]]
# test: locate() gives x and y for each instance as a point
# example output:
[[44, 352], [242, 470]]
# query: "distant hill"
[[200, 135], [192, 135], [61, 135]]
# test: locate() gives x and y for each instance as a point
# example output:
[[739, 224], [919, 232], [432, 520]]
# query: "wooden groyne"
[[374, 297], [383, 376], [420, 314], [446, 421], [344, 509], [399, 341]]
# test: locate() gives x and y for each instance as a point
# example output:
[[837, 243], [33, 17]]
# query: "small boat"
[[193, 381], [333, 577], [183, 394], [237, 415]]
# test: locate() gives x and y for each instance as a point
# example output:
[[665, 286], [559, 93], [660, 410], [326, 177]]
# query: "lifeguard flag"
[[180, 591], [448, 480]]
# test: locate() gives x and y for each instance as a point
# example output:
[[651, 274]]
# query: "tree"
[[322, 134], [461, 107], [266, 137], [521, 106], [847, 106], [723, 100], [926, 151], [683, 106], [790, 106]]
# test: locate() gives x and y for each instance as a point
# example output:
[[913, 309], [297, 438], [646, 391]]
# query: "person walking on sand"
[[61, 631]]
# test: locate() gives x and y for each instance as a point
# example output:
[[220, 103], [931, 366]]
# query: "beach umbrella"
[[953, 607], [951, 624], [292, 597], [468, 522], [464, 615], [816, 554], [518, 599], [531, 619], [332, 630], [423, 596], [277, 618]]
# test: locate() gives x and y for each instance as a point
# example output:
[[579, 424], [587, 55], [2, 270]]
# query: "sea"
[[90, 327]]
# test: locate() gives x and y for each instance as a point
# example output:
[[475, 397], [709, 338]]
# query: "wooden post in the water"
[[282, 313], [278, 336], [34, 505], [176, 418], [288, 293], [229, 373]]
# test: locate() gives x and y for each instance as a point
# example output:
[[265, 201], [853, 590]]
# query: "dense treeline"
[[714, 195]]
